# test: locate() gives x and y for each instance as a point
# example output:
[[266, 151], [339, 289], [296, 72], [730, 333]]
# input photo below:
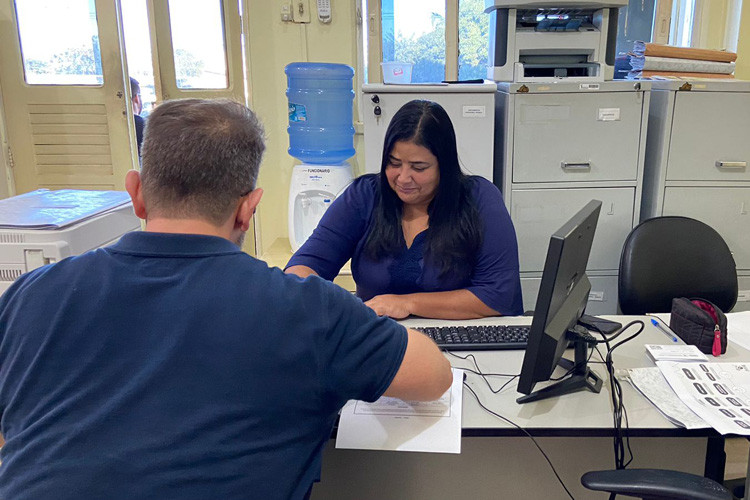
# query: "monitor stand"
[[581, 376]]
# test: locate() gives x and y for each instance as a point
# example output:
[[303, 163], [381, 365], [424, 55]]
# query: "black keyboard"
[[477, 338]]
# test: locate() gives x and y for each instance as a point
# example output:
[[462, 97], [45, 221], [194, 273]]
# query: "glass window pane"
[[198, 42], [415, 32], [138, 50], [59, 42], [473, 39]]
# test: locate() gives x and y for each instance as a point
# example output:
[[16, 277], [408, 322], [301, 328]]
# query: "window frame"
[[375, 40]]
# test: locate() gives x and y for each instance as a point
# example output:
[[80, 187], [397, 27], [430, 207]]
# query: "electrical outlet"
[[301, 11], [286, 12]]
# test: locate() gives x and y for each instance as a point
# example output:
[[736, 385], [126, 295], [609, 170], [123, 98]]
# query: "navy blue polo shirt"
[[178, 367]]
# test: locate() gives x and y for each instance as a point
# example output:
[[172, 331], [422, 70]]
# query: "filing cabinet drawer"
[[726, 209], [537, 213], [710, 137], [602, 298], [576, 137]]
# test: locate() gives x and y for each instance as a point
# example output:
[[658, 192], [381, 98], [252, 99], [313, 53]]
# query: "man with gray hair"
[[171, 365]]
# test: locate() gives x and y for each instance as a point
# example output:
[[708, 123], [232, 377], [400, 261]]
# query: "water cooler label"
[[297, 112]]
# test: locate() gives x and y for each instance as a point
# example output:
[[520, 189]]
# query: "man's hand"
[[395, 306]]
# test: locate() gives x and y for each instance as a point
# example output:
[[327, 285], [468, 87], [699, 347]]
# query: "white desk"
[[498, 461]]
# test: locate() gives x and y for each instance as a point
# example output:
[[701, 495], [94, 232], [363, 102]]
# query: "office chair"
[[670, 256], [655, 484]]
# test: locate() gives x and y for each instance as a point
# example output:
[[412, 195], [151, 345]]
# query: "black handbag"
[[700, 323]]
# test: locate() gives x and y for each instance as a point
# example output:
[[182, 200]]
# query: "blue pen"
[[667, 332]]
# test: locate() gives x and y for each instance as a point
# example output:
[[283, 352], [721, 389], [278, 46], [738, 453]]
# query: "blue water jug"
[[320, 112]]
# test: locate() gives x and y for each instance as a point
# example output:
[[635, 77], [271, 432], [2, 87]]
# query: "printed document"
[[675, 352], [397, 425], [717, 392], [651, 383]]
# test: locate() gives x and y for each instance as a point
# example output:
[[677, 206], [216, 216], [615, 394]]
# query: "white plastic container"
[[396, 72]]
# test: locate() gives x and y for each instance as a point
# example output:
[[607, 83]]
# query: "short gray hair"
[[199, 156]]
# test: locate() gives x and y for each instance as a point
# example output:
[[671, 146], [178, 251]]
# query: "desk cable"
[[481, 405], [621, 440]]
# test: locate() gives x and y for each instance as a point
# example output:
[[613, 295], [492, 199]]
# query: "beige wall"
[[6, 176], [743, 46], [710, 31], [274, 44]]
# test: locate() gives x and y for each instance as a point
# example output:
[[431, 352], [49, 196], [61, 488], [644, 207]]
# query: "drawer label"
[[596, 296], [589, 86], [473, 112], [743, 296], [609, 114]]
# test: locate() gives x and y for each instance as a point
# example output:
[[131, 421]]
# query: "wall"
[[272, 45], [743, 46], [6, 176], [709, 32]]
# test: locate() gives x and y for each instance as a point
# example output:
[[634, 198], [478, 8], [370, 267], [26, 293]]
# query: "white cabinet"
[[558, 146], [697, 158]]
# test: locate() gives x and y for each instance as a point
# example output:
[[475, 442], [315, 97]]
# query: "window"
[[683, 16], [138, 50], [415, 32], [473, 39], [59, 42], [443, 39], [200, 58]]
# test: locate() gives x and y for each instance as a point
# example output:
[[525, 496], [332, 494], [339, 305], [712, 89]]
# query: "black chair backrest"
[[668, 257]]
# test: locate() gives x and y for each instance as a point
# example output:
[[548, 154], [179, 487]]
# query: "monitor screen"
[[563, 293]]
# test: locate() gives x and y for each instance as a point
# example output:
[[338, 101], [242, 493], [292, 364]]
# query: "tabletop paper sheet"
[[717, 392], [651, 383], [397, 425]]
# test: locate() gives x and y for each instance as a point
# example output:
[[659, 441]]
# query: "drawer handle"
[[575, 166], [732, 164]]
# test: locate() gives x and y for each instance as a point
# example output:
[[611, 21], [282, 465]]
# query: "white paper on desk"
[[718, 392], [675, 352], [396, 425], [651, 383], [738, 328]]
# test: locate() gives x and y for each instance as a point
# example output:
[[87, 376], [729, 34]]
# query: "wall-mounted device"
[[324, 11], [538, 41]]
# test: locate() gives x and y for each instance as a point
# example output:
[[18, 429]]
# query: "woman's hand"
[[395, 306]]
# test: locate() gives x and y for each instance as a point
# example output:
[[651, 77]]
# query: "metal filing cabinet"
[[697, 157], [558, 146]]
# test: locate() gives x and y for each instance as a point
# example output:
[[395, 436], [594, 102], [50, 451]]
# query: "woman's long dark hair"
[[454, 235]]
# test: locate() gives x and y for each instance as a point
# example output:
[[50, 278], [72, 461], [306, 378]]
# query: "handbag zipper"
[[716, 347]]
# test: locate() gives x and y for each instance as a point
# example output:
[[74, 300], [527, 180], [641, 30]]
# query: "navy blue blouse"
[[343, 230]]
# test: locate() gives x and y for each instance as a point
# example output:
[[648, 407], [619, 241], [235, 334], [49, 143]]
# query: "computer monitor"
[[562, 298]]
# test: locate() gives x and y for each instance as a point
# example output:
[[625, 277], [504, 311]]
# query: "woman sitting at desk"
[[424, 238]]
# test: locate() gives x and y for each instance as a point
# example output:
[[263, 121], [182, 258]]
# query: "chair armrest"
[[655, 484]]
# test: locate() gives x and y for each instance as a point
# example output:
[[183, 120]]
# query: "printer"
[[43, 226], [544, 41]]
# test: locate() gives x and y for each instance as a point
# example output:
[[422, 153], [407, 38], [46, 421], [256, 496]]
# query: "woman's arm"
[[341, 228], [301, 271], [456, 304]]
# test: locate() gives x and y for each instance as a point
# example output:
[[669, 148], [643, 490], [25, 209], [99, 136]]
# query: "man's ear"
[[247, 208], [134, 188]]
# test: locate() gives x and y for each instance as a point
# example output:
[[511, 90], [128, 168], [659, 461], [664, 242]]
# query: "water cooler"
[[321, 136]]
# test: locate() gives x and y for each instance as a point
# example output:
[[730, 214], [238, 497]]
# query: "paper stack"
[[676, 352], [654, 60]]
